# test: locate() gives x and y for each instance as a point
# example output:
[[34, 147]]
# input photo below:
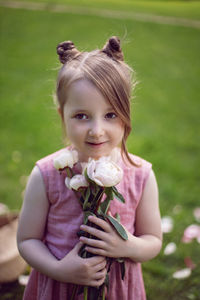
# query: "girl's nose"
[[96, 130]]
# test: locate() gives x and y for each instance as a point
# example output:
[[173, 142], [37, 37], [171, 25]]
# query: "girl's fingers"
[[92, 242], [97, 282], [97, 251], [93, 231], [100, 275], [101, 223], [100, 267], [96, 260]]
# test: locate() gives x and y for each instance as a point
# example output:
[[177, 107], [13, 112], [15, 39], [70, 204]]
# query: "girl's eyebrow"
[[76, 110], [79, 110]]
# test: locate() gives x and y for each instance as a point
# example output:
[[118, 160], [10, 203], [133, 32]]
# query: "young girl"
[[93, 92]]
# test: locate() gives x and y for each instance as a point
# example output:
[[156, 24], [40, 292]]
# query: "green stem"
[[107, 207], [69, 172], [74, 292], [85, 293], [104, 294], [98, 200]]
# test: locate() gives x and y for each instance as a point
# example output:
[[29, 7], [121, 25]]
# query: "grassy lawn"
[[165, 111], [184, 9]]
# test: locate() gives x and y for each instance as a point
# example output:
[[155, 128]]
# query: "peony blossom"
[[66, 159], [104, 172], [67, 183], [76, 182]]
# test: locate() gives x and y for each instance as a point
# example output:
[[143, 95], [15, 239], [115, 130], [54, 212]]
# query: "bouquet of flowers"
[[98, 178]]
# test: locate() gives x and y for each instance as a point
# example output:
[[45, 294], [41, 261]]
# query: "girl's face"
[[90, 121]]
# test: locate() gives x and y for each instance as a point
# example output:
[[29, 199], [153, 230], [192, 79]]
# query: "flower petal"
[[170, 248], [182, 274], [190, 233], [167, 224]]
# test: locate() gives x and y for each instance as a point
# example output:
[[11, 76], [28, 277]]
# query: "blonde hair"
[[106, 70]]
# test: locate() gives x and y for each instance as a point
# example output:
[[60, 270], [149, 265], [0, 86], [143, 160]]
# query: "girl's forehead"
[[83, 93]]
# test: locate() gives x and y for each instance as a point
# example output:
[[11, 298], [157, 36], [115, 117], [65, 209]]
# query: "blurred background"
[[161, 42]]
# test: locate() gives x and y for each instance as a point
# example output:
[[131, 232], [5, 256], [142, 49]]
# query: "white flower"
[[23, 279], [66, 159], [67, 182], [190, 233], [170, 248], [76, 182], [182, 274], [166, 224], [104, 172]]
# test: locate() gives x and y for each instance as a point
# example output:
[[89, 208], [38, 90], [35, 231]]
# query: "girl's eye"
[[111, 115], [81, 117]]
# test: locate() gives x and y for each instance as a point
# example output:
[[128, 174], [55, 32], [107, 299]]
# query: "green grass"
[[184, 9], [165, 114]]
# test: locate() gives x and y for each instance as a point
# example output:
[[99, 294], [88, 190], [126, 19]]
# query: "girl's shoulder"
[[138, 172], [140, 163], [51, 176]]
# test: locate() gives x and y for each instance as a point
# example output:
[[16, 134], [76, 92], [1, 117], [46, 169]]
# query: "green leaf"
[[122, 267], [109, 193], [118, 227], [105, 205], [86, 215], [117, 195], [117, 216], [86, 198]]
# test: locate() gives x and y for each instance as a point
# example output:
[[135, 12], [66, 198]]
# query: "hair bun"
[[66, 50], [112, 48]]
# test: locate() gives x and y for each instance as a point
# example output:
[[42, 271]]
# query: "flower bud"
[[66, 159], [76, 182]]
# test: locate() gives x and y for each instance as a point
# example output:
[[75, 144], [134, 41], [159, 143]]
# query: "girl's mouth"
[[95, 145]]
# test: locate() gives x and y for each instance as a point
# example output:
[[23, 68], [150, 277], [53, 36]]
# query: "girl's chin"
[[92, 156]]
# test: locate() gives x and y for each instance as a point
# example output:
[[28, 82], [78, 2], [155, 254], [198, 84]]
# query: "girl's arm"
[[147, 240], [32, 222]]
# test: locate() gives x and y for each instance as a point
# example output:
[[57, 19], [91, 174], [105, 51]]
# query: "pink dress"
[[64, 220]]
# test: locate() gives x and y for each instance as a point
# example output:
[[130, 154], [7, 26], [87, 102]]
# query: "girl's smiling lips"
[[95, 144]]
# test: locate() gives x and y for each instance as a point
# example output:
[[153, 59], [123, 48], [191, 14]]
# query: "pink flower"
[[190, 233], [189, 263], [104, 172]]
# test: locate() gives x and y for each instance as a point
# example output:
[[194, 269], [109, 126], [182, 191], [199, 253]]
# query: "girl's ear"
[[60, 113]]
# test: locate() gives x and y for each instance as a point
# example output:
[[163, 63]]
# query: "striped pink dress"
[[64, 220]]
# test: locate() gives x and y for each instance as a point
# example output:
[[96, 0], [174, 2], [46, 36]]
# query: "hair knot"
[[112, 48], [66, 51]]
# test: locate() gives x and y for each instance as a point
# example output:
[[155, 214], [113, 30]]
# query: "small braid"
[[112, 48], [66, 51]]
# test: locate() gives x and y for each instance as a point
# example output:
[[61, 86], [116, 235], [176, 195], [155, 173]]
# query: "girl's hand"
[[82, 271], [109, 242]]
